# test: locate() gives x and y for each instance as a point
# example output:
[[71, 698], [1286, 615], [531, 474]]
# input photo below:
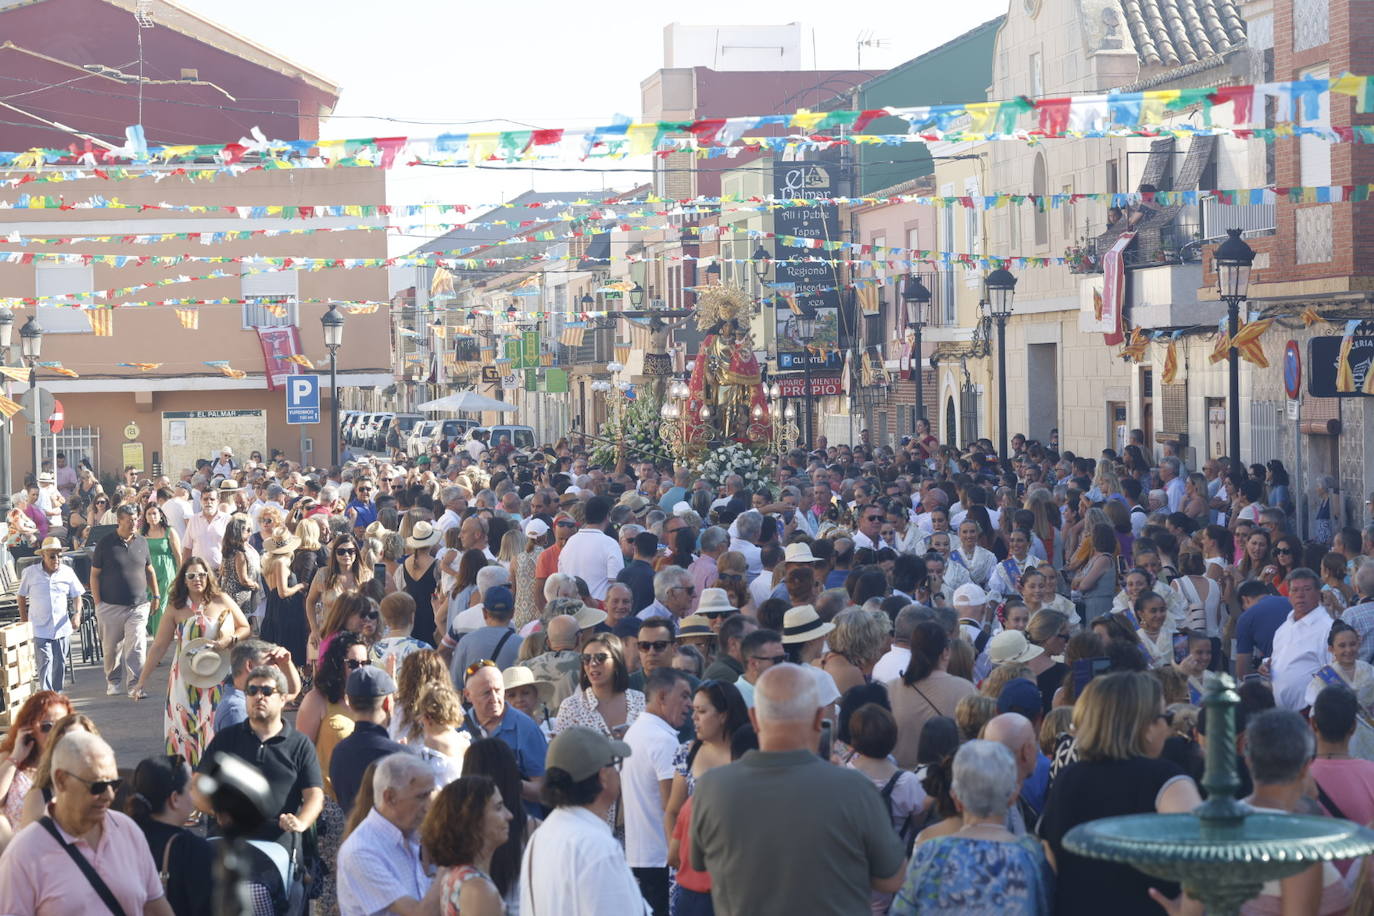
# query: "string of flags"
[[617, 210], [1103, 114]]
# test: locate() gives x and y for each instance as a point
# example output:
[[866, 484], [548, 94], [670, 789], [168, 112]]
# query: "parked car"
[[358, 430], [451, 433], [417, 443], [521, 437], [346, 423]]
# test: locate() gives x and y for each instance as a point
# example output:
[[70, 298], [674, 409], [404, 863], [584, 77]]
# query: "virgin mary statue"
[[727, 400]]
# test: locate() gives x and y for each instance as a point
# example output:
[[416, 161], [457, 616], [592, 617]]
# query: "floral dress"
[[452, 888], [525, 609], [970, 877], [190, 717]]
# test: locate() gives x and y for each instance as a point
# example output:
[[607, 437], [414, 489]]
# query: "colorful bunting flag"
[[189, 318], [101, 321]]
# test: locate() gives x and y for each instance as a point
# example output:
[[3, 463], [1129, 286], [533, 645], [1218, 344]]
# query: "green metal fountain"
[[1223, 852]]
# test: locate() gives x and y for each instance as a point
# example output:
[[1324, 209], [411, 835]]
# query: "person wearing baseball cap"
[[369, 690], [495, 640], [574, 865]]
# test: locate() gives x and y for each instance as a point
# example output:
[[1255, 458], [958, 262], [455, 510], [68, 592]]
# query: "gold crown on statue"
[[723, 303]]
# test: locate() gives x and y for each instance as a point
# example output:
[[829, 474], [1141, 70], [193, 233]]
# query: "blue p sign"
[[303, 399]]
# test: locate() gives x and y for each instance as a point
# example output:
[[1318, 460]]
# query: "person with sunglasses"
[[24, 744], [197, 611], [284, 757], [40, 874]]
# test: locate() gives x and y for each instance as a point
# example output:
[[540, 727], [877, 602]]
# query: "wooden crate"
[[18, 669]]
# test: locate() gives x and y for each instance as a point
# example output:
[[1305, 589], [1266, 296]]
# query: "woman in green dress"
[[164, 547]]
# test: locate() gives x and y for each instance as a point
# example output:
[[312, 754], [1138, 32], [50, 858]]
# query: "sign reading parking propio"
[[302, 399]]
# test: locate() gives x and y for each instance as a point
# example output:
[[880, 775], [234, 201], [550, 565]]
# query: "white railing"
[[1218, 217]]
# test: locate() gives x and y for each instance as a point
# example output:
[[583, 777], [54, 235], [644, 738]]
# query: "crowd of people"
[[889, 680]]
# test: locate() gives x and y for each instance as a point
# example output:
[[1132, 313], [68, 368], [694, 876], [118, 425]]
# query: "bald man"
[[1016, 733], [37, 876], [737, 811], [562, 663]]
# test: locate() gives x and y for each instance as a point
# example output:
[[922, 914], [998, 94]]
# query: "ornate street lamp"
[[917, 297], [1234, 260], [31, 348], [637, 296], [1001, 288], [332, 321], [761, 259]]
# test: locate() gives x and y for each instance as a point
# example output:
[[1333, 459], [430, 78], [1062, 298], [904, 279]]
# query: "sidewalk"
[[134, 730]]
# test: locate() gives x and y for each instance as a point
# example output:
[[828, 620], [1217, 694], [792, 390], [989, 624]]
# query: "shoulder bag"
[[101, 888]]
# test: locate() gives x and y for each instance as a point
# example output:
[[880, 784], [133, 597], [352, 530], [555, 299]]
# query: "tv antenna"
[[867, 39]]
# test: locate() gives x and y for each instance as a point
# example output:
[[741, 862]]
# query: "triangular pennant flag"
[[14, 373], [300, 359], [572, 336], [101, 321], [1170, 364], [9, 408], [1247, 341]]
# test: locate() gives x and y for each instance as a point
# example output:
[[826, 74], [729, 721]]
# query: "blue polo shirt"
[[352, 756], [523, 736], [367, 513], [1257, 625]]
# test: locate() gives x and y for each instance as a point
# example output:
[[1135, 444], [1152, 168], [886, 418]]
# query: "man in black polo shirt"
[[284, 756], [122, 585], [369, 691]]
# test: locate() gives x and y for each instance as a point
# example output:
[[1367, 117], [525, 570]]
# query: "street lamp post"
[[637, 296], [915, 294], [1233, 261], [333, 323], [806, 332], [31, 347], [6, 473], [1001, 285]]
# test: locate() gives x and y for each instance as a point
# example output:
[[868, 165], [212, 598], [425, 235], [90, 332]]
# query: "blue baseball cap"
[[1022, 696], [498, 601]]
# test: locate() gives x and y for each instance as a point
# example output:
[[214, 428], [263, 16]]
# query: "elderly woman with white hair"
[[983, 868]]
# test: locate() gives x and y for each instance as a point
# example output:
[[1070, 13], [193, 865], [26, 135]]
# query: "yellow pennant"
[[189, 318], [9, 408], [101, 321], [300, 359]]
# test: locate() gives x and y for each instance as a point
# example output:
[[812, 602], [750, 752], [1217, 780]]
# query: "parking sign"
[[303, 399]]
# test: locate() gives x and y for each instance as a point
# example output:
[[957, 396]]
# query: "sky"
[[445, 65]]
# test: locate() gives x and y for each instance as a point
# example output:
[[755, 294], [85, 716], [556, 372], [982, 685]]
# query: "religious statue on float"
[[727, 402]]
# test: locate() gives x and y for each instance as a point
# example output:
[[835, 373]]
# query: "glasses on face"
[[346, 552], [770, 659], [99, 786], [873, 518], [197, 575], [354, 664], [566, 525], [658, 645], [689, 589], [477, 666], [264, 690], [1285, 551], [595, 658], [370, 615]]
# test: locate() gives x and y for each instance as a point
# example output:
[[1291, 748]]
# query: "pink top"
[[1350, 784], [38, 877]]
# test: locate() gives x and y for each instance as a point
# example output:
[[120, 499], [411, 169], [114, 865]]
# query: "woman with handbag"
[[159, 801]]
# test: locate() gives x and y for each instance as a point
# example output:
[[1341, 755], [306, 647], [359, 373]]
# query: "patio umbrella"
[[469, 401]]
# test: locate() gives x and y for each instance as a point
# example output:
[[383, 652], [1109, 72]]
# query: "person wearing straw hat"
[[803, 639], [1011, 647], [205, 625], [796, 556], [49, 596], [715, 606], [530, 695]]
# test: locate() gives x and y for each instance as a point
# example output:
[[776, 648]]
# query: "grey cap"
[[370, 681], [581, 752], [274, 489]]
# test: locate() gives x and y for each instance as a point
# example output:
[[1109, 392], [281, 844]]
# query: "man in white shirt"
[[574, 863], [455, 503], [477, 443], [894, 663], [591, 554], [871, 519], [205, 532], [1299, 642], [49, 500], [177, 507], [745, 536], [646, 781], [225, 465], [473, 536], [379, 864], [49, 593]]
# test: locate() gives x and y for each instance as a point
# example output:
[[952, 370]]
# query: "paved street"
[[134, 730]]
